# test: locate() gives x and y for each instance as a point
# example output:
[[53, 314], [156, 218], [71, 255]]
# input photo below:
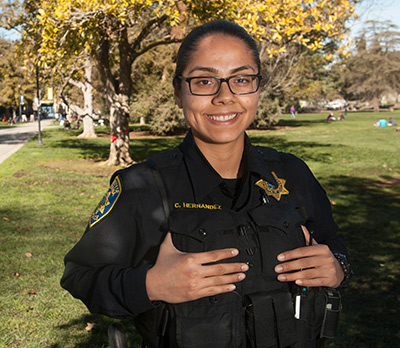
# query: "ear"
[[178, 98]]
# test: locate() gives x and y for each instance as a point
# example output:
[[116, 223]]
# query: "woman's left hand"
[[312, 265]]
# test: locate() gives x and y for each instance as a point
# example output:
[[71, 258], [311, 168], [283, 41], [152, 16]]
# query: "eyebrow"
[[215, 71]]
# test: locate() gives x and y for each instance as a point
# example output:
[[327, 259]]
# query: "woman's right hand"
[[180, 277]]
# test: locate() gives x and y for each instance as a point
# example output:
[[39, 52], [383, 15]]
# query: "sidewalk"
[[13, 138]]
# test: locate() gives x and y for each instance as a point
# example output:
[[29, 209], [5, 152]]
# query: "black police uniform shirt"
[[107, 268]]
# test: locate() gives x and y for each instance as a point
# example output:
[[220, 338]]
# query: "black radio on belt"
[[331, 315]]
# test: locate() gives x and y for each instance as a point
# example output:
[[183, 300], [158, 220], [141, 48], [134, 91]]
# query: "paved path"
[[13, 138]]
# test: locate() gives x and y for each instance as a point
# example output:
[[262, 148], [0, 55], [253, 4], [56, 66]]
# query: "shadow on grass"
[[298, 122], [141, 148], [369, 220], [299, 148], [97, 337]]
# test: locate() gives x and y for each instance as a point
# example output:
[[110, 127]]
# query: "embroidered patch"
[[274, 191], [107, 202]]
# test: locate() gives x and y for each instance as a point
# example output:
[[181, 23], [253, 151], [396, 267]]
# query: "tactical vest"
[[261, 311]]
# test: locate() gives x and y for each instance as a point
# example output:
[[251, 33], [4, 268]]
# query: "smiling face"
[[221, 118]]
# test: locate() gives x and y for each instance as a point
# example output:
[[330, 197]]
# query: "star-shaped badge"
[[271, 190]]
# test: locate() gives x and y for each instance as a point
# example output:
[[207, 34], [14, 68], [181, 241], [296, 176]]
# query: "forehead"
[[222, 53]]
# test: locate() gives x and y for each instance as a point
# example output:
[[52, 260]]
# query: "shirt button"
[[286, 224], [213, 299], [250, 264], [202, 232]]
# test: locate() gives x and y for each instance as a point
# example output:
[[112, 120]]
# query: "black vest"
[[260, 312]]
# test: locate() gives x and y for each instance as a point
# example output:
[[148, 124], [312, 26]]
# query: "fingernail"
[[299, 282], [235, 252], [281, 257], [231, 287], [241, 276], [282, 278], [278, 269], [245, 268]]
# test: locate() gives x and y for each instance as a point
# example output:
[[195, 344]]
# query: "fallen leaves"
[[90, 326], [28, 254], [6, 218]]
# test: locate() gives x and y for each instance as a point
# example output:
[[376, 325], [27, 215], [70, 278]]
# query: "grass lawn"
[[48, 192]]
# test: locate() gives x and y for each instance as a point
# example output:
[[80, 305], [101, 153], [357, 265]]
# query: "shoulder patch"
[[107, 202]]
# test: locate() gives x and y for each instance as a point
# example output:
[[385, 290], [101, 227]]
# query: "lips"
[[222, 118]]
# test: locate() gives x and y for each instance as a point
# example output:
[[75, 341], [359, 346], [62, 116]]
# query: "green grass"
[[48, 192]]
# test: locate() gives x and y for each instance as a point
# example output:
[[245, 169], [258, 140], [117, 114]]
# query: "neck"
[[224, 158]]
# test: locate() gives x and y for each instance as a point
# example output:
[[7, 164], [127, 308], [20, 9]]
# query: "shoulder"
[[139, 173], [286, 159], [291, 167]]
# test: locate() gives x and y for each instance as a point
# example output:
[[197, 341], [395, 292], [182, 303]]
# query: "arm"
[[104, 269], [314, 265]]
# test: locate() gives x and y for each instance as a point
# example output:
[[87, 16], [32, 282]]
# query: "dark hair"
[[191, 41]]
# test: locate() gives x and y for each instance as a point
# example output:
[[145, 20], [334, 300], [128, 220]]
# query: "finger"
[[296, 265], [309, 251], [216, 255], [222, 280], [315, 282], [300, 275], [307, 236], [216, 290], [223, 268]]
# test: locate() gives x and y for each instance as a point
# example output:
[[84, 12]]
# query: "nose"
[[224, 95]]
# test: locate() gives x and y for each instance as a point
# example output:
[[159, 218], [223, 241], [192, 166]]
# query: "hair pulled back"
[[191, 41]]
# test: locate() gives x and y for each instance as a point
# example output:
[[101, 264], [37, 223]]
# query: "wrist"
[[346, 268]]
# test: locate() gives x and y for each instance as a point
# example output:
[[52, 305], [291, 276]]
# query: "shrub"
[[268, 112]]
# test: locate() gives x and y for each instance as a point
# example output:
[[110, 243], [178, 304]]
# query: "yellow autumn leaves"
[[305, 22]]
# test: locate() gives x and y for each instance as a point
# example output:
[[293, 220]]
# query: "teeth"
[[222, 118]]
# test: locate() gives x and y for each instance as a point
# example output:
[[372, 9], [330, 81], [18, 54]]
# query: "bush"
[[159, 110], [268, 112]]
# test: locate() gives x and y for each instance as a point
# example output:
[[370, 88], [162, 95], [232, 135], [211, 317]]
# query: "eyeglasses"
[[210, 85]]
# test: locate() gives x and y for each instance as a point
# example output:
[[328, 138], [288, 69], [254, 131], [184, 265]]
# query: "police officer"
[[216, 243]]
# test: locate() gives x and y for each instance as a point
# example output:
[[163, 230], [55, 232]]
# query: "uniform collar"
[[205, 178]]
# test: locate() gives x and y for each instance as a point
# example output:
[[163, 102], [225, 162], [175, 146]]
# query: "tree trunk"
[[88, 124], [119, 147], [88, 128], [376, 103], [118, 93]]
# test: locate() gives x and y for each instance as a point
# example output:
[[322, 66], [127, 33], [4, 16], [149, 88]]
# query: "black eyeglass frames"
[[210, 85]]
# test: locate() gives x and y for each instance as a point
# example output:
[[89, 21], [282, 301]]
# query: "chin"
[[224, 137]]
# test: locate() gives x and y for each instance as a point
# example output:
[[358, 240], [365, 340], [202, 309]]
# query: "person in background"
[[217, 242], [331, 117], [292, 112], [392, 122], [381, 123]]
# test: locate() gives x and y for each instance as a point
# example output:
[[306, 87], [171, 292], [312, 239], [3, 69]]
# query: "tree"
[[13, 80], [374, 70], [153, 93], [117, 32], [85, 85]]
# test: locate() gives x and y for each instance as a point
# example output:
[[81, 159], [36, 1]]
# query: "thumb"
[[307, 236], [167, 246]]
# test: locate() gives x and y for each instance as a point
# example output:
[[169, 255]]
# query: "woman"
[[207, 245]]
